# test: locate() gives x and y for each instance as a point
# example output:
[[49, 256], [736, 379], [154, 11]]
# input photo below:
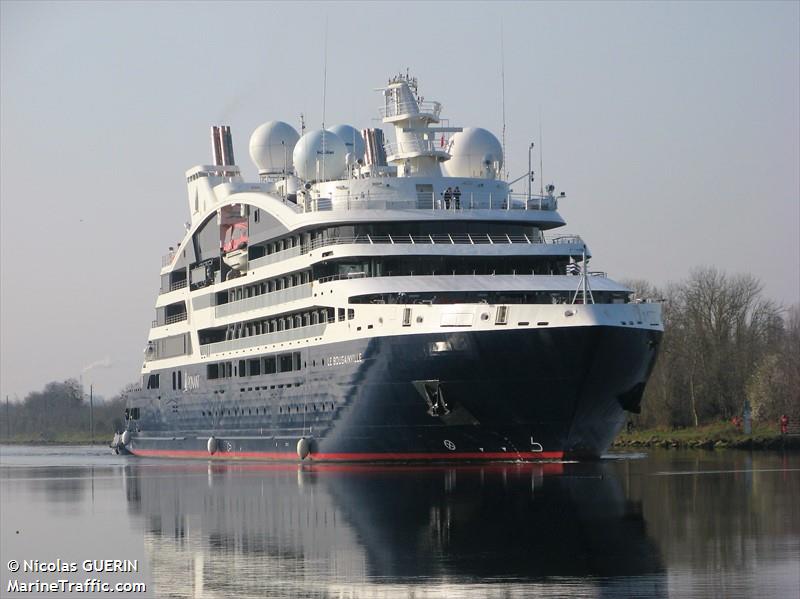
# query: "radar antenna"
[[503, 98], [541, 160], [324, 93]]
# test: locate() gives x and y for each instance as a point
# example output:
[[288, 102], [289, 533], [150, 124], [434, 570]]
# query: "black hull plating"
[[511, 394]]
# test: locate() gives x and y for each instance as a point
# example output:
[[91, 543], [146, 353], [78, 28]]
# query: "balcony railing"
[[264, 300], [171, 320], [174, 286], [313, 330]]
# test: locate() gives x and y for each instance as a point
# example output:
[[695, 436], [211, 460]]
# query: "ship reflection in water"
[[504, 530]]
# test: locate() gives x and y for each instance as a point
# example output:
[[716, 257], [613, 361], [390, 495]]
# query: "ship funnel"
[[374, 154], [222, 145]]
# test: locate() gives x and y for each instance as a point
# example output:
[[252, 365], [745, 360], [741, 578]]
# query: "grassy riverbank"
[[62, 438], [719, 435]]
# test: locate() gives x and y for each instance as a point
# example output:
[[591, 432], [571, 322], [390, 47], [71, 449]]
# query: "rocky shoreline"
[[772, 442]]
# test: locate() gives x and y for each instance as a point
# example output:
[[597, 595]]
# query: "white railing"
[[313, 330], [437, 239], [264, 300], [171, 320], [567, 239], [174, 286], [413, 146], [392, 108], [472, 200]]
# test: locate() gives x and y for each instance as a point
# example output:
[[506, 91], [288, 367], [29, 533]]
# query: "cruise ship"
[[376, 300]]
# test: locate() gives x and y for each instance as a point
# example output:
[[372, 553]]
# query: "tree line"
[[61, 411], [725, 347]]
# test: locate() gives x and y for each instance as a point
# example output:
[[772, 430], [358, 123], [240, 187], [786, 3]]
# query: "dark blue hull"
[[515, 394]]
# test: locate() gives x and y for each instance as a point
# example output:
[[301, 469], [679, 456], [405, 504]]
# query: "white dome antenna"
[[319, 156], [474, 152], [352, 139], [272, 146]]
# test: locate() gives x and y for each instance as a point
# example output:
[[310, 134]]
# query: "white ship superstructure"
[[383, 300]]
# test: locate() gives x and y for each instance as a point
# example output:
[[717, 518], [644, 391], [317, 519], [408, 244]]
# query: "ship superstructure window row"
[[407, 266], [264, 365], [487, 297], [271, 285], [446, 232], [263, 326]]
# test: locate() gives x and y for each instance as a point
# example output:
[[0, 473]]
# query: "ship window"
[[406, 317], [296, 357], [254, 367], [269, 365], [180, 379], [285, 362], [228, 368], [351, 314], [134, 413], [173, 379], [502, 315], [153, 381], [341, 314], [242, 371]]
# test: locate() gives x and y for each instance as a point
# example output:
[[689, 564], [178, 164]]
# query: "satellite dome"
[[474, 152], [313, 162], [271, 147], [352, 139]]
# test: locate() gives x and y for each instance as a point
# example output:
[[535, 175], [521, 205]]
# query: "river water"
[[664, 523]]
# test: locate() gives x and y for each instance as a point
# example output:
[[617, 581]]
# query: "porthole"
[[485, 316]]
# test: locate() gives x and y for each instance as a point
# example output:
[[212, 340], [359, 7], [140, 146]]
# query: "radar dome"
[[313, 162], [352, 139], [271, 147], [474, 152]]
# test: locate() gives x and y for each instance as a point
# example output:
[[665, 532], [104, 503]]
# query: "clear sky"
[[673, 127]]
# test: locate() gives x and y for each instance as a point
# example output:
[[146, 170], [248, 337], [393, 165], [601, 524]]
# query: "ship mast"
[[415, 150]]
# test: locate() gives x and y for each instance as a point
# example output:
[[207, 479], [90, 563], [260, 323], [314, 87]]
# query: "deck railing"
[[264, 300], [433, 239], [387, 200], [313, 330]]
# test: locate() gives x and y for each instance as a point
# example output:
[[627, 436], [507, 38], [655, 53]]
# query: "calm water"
[[657, 524]]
